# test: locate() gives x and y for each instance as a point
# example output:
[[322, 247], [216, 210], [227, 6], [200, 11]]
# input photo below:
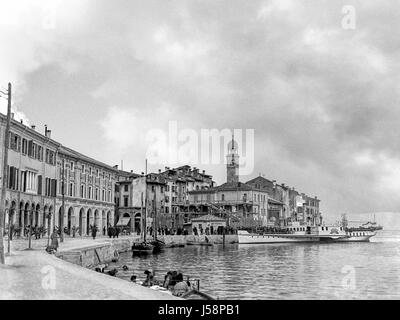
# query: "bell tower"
[[232, 166]]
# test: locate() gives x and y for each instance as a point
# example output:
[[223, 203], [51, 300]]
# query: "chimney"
[[47, 132], [22, 121], [116, 167], [131, 171], [33, 127], [12, 115], [204, 171], [159, 170]]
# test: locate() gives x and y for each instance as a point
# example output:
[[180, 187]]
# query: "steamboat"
[[295, 232]]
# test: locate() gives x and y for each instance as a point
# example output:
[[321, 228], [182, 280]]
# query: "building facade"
[[258, 202], [89, 187], [38, 183], [167, 194], [31, 195]]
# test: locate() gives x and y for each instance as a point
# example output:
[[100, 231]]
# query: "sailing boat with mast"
[[144, 247], [158, 244]]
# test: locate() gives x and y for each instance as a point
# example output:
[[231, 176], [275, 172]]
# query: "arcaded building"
[[32, 175], [89, 187], [36, 178]]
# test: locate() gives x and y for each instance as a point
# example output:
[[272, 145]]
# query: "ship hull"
[[248, 238], [364, 237], [260, 239]]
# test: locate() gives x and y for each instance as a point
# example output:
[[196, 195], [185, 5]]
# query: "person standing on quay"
[[94, 232], [54, 241]]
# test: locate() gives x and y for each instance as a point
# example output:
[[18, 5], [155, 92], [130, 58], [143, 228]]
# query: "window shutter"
[[24, 182], [40, 185], [30, 148], [16, 179], [12, 177], [54, 191], [9, 177]]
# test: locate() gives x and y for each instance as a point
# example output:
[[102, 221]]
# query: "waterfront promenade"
[[34, 274]]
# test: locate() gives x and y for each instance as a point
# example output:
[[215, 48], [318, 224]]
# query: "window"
[[109, 196], [72, 166], [15, 142], [83, 168], [97, 194], [82, 191], [126, 188], [34, 151], [90, 171], [13, 178], [89, 193], [31, 181], [126, 201], [103, 195], [24, 146], [50, 156], [223, 197], [39, 154], [71, 190]]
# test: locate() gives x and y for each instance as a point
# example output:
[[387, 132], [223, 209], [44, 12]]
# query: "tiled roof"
[[69, 152]]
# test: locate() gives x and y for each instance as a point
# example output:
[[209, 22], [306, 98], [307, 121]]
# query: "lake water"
[[284, 271]]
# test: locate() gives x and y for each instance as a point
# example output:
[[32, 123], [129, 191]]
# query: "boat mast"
[[145, 203], [155, 216], [143, 224]]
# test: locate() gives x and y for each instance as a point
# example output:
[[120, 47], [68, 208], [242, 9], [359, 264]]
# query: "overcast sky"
[[323, 100]]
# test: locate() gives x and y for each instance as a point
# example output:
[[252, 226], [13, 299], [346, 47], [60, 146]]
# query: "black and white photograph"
[[199, 150]]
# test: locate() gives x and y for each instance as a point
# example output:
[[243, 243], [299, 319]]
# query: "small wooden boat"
[[142, 248], [196, 295], [158, 246]]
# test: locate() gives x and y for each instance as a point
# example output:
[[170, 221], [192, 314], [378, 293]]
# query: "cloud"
[[323, 100]]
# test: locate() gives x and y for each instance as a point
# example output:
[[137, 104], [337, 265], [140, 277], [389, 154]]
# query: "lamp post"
[[30, 219], [5, 172], [9, 230], [48, 216]]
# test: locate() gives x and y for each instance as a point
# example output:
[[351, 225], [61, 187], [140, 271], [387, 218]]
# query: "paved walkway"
[[69, 243], [34, 274]]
